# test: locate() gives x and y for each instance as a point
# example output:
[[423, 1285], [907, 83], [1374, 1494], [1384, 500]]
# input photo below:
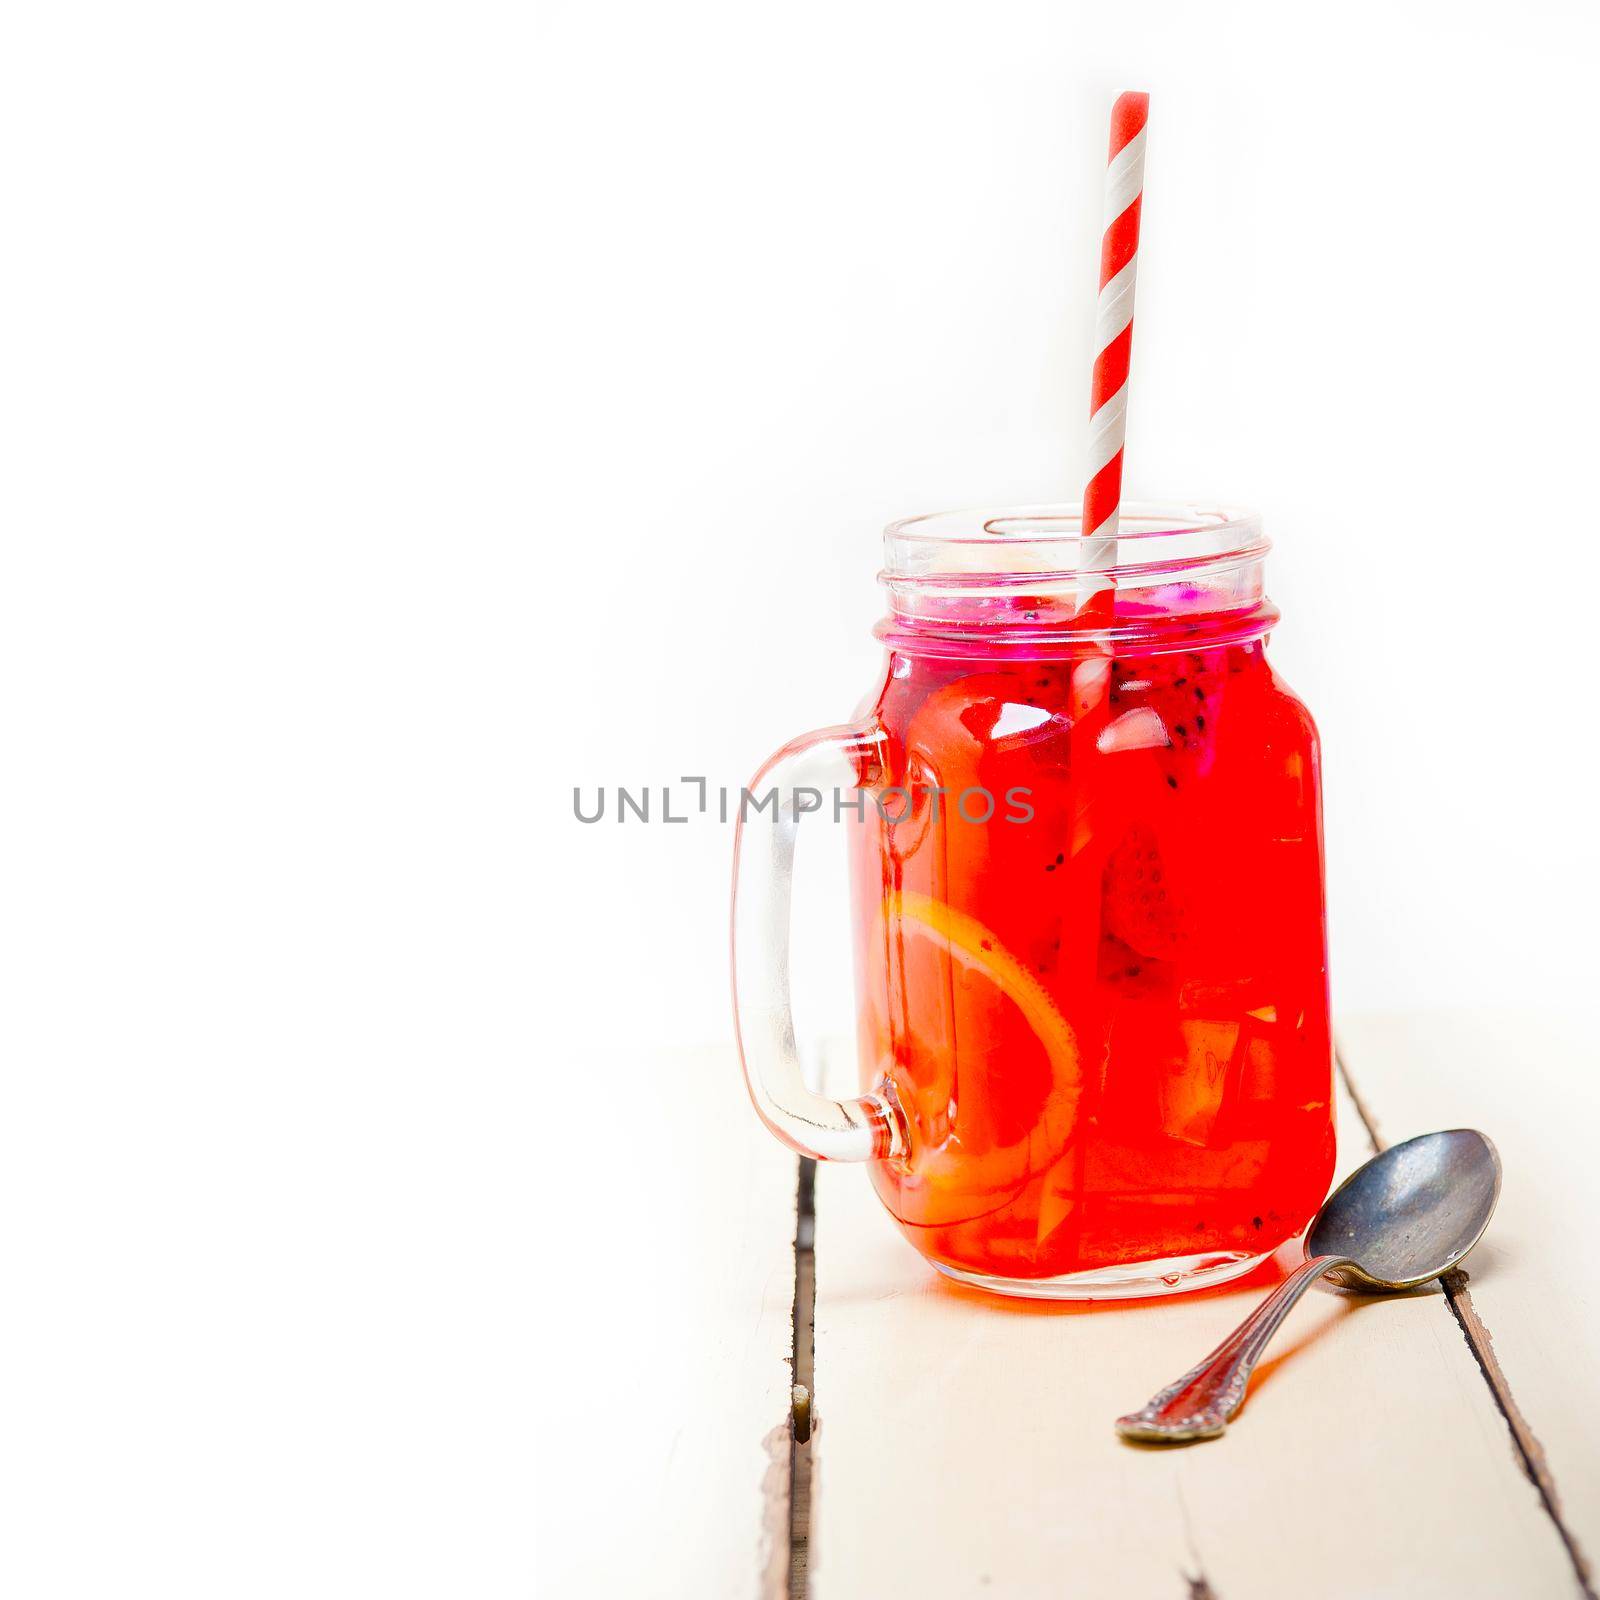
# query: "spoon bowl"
[[1411, 1213]]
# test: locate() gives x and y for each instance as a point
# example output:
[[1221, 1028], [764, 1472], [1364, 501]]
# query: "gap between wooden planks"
[[913, 1476]]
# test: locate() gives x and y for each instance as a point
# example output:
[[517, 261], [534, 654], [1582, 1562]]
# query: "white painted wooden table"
[[953, 1444]]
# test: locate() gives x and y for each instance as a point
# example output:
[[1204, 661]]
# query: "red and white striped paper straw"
[[1113, 344]]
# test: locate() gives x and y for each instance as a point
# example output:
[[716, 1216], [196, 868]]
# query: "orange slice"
[[937, 1186], [974, 946]]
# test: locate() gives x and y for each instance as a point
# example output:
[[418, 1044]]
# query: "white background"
[[411, 412]]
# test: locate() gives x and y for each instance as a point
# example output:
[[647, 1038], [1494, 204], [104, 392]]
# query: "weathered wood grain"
[[964, 1444], [1528, 1302]]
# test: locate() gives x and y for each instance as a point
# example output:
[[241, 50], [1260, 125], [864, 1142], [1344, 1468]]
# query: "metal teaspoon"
[[1409, 1215]]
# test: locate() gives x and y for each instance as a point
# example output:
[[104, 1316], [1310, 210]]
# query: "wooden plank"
[[964, 1443], [664, 1448], [1531, 1304]]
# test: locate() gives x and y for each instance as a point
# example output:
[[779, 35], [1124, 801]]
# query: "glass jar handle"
[[816, 764]]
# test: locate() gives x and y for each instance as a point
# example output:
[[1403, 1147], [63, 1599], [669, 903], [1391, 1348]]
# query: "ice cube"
[[1139, 729]]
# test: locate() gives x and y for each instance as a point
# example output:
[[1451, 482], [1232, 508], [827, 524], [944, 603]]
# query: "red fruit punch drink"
[[1091, 958]]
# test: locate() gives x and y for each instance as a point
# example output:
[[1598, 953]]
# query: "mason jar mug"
[[1086, 869]]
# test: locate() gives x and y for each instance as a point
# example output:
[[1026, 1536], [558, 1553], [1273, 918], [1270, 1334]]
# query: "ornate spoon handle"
[[1200, 1404]]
